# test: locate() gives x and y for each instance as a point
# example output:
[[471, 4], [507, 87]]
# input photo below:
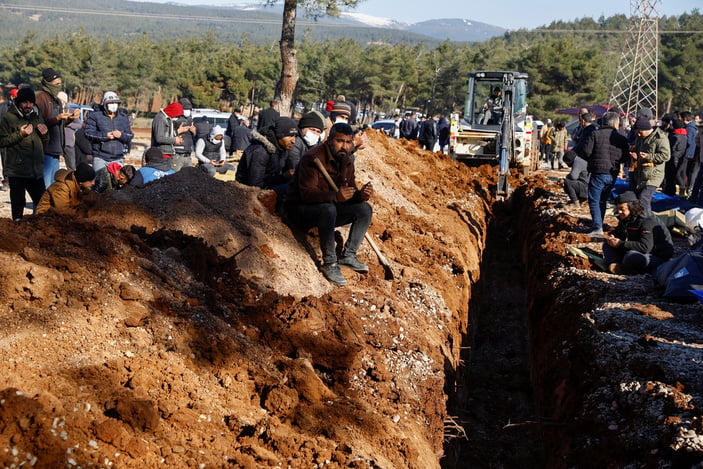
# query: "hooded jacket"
[[63, 196], [262, 161], [163, 128], [99, 124], [650, 168], [25, 155]]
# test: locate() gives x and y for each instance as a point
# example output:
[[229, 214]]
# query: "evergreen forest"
[[569, 63]]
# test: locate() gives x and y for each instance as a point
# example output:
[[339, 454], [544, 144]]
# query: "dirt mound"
[[183, 323]]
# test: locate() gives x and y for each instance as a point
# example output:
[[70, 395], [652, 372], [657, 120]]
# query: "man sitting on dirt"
[[314, 201], [64, 195], [211, 152], [639, 243], [262, 162]]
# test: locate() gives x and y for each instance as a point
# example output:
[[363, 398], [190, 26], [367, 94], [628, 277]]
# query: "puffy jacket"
[[604, 149], [262, 162], [650, 168], [98, 125], [62, 196], [25, 155]]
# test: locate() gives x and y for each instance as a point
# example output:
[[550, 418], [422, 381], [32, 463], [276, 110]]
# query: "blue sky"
[[510, 14]]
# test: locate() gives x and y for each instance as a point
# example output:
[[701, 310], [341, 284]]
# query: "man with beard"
[[313, 202], [24, 135], [262, 163]]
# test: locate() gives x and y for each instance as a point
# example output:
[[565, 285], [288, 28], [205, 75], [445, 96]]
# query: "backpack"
[[547, 136]]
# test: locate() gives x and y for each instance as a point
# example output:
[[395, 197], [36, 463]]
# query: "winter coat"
[[63, 196], [163, 132], [241, 138], [309, 186], [262, 162], [604, 149], [300, 147], [98, 125], [50, 107], [677, 143], [25, 155], [561, 139], [579, 167], [691, 132], [649, 170]]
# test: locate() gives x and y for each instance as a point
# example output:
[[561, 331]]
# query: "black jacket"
[[604, 149], [645, 235]]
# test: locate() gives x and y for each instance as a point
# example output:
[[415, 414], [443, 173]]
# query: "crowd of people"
[[650, 156], [310, 163]]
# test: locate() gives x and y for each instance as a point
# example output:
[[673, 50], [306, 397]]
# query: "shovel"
[[381, 258]]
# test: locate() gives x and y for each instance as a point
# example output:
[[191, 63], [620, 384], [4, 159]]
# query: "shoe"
[[333, 274], [574, 204], [594, 232], [350, 260], [615, 268]]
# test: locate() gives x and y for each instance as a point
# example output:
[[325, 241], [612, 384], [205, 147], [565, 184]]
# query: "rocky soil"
[[183, 325]]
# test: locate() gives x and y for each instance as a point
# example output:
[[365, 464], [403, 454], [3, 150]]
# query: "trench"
[[492, 419]]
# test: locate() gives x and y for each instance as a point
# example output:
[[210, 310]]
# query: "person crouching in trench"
[[640, 243]]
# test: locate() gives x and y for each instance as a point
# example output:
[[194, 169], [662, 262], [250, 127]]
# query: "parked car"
[[387, 126]]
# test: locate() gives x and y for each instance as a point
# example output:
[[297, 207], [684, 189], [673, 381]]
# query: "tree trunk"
[[289, 59]]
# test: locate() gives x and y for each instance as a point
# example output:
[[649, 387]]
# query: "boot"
[[333, 274]]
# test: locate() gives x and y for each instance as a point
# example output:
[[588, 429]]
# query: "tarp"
[[681, 276], [597, 109]]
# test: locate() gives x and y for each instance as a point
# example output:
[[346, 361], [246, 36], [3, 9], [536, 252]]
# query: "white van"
[[214, 116]]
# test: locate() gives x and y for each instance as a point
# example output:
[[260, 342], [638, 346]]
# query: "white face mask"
[[311, 138], [342, 120], [112, 107], [186, 112]]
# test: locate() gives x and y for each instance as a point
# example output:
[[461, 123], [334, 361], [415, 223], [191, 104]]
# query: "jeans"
[[99, 163], [599, 188], [51, 165], [326, 217], [18, 186]]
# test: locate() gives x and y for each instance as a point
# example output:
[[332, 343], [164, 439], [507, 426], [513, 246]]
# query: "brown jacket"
[[63, 196], [309, 186]]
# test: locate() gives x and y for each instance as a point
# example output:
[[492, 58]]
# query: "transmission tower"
[[636, 79]]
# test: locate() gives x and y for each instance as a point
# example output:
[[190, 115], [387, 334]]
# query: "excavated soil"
[[183, 325]]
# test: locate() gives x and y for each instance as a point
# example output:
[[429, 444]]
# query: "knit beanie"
[[645, 112], [185, 103], [25, 94], [625, 197], [341, 108], [49, 74], [642, 123], [84, 172], [312, 119], [284, 127]]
